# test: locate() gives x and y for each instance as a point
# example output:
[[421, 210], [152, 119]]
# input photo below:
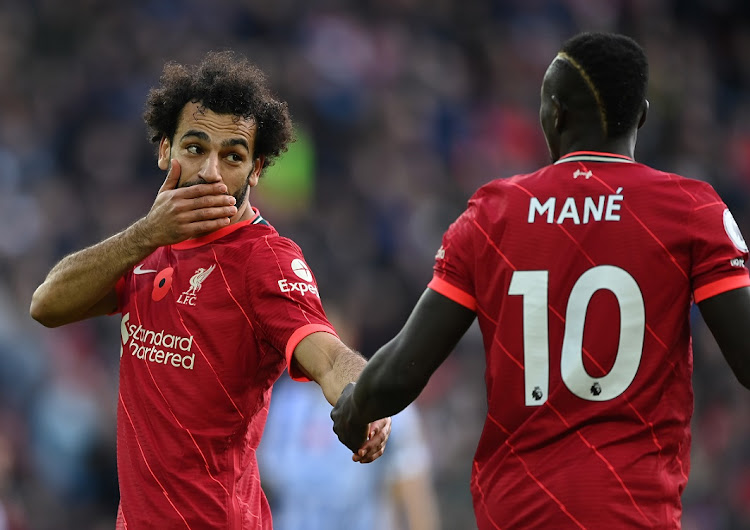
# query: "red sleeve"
[[452, 273], [284, 297], [120, 290], [719, 252]]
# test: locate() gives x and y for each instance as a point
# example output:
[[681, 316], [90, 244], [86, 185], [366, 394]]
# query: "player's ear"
[[254, 176], [559, 114], [644, 113], [164, 153]]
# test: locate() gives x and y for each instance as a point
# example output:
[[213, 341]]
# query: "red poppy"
[[162, 284]]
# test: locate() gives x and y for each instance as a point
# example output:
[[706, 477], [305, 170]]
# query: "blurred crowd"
[[403, 108]]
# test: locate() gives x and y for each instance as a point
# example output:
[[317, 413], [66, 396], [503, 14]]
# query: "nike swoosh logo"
[[140, 270]]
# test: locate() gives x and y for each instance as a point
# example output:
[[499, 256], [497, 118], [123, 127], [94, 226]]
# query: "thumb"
[[173, 177]]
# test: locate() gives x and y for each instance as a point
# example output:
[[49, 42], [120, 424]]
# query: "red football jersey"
[[582, 276], [208, 325]]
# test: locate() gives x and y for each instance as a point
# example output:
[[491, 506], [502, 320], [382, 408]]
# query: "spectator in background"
[[311, 485], [11, 517]]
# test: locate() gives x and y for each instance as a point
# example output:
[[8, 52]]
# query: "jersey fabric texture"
[[582, 276], [207, 326], [329, 492]]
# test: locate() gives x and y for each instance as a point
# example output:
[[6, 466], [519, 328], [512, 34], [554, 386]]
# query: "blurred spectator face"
[[212, 148]]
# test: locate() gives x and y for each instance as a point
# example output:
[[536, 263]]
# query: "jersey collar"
[[221, 232], [594, 156]]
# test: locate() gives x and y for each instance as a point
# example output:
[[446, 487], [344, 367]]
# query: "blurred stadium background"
[[403, 108]]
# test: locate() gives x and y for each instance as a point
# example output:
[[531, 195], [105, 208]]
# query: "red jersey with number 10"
[[582, 276]]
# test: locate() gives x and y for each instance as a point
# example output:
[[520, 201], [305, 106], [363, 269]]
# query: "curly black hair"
[[615, 68], [224, 83]]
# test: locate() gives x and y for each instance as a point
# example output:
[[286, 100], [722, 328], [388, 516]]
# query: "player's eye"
[[193, 149], [234, 157]]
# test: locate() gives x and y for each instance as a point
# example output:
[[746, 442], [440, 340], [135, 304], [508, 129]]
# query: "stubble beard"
[[239, 196]]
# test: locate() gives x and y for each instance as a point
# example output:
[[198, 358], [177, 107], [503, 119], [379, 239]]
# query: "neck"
[[244, 212], [624, 145]]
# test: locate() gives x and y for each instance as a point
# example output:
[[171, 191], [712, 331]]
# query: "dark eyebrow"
[[226, 143], [236, 141], [198, 134]]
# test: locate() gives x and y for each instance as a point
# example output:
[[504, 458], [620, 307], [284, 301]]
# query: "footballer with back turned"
[[581, 275]]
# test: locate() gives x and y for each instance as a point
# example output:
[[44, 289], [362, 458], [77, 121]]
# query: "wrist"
[[347, 398], [347, 391], [140, 237]]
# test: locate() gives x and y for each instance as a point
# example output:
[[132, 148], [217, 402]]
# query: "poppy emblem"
[[162, 284]]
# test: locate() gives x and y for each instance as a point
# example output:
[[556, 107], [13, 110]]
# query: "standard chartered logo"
[[156, 346]]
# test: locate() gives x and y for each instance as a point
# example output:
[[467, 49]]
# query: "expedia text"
[[287, 287]]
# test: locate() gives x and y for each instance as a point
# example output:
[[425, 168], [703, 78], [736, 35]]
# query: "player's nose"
[[209, 171]]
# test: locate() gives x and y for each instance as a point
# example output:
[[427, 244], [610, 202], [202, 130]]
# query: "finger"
[[184, 208], [202, 227], [371, 446], [380, 427], [208, 201], [364, 455], [372, 456], [201, 190], [374, 446], [207, 214], [173, 177]]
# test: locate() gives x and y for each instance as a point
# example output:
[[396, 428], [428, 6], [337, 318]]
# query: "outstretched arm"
[[82, 284], [726, 315], [329, 362], [399, 371]]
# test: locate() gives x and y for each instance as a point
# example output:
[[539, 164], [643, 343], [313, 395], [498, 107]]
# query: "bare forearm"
[[82, 284], [82, 279], [347, 367], [722, 313], [326, 360], [388, 384]]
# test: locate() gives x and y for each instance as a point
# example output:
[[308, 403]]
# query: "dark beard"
[[241, 194]]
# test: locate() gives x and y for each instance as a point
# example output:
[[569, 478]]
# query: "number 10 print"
[[534, 287]]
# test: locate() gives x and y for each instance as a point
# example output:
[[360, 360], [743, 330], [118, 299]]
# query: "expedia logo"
[[302, 271], [156, 347], [285, 286], [733, 231]]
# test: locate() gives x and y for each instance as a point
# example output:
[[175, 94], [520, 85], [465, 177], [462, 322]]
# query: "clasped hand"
[[367, 441]]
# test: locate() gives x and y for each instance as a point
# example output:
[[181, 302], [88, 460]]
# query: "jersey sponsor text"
[[157, 346], [285, 286]]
